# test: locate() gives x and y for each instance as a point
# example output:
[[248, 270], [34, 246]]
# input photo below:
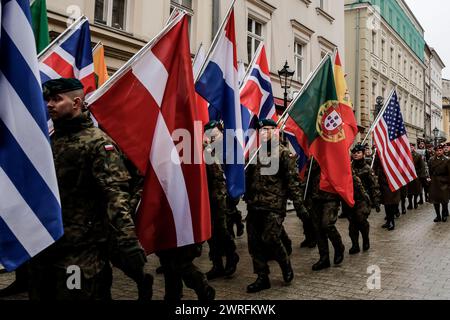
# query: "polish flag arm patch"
[[109, 147]]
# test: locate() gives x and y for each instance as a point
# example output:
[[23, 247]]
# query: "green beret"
[[214, 124], [359, 148], [63, 85], [267, 123]]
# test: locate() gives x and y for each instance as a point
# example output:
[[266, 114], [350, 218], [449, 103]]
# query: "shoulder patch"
[[109, 147]]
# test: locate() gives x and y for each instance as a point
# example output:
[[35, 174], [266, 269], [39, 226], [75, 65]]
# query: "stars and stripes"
[[30, 208], [393, 146]]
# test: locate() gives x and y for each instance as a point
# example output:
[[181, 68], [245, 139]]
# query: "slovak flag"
[[71, 57], [257, 97], [144, 107], [219, 85]]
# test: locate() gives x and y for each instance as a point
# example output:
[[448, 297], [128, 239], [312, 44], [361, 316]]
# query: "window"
[[374, 41], [322, 5], [111, 13], [187, 4], [383, 49], [399, 63], [405, 66], [392, 57], [299, 59], [254, 37]]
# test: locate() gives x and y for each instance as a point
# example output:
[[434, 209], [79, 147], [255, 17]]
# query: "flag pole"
[[65, 33], [284, 117], [247, 73], [100, 91], [309, 177], [196, 55], [379, 116], [374, 156], [214, 43], [96, 46]]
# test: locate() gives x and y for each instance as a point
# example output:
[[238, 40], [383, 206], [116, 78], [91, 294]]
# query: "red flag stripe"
[[59, 65], [393, 181]]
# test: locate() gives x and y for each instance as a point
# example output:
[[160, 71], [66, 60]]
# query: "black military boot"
[[231, 265], [420, 199], [262, 283], [410, 202], [366, 242], [355, 249], [416, 204], [145, 288], [288, 273], [323, 263], [206, 294], [391, 226], [217, 271], [287, 242], [437, 208], [240, 229], [13, 289], [339, 255]]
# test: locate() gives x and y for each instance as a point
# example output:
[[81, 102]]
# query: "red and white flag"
[[140, 109], [393, 146]]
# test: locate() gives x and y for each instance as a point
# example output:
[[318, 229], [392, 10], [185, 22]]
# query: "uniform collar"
[[73, 125]]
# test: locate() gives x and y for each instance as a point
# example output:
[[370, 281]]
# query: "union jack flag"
[[70, 56]]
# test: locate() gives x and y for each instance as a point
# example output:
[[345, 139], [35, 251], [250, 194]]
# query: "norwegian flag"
[[141, 108], [70, 56], [257, 97], [393, 146]]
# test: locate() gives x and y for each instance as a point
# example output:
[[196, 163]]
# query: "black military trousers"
[[358, 223], [221, 243], [391, 211], [178, 266], [324, 216], [444, 212], [264, 230]]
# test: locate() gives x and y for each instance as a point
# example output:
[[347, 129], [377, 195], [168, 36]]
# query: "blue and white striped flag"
[[30, 208]]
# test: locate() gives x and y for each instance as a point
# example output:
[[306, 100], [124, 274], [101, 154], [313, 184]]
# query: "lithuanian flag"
[[100, 69], [327, 128]]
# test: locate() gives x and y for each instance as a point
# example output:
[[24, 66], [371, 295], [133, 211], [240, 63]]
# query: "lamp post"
[[378, 106], [286, 75], [436, 135]]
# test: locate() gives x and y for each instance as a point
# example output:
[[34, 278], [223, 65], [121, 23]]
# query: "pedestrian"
[[93, 185], [415, 187], [266, 196], [439, 167]]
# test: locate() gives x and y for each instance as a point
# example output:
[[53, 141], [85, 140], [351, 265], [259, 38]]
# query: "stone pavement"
[[414, 261]]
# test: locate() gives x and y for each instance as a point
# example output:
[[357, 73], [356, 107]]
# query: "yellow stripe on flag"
[[341, 84], [100, 68]]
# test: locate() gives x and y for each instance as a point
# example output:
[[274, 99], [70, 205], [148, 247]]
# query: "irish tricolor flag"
[[326, 127]]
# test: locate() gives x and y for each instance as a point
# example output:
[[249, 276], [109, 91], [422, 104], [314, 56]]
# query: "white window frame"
[[108, 5], [301, 57], [255, 37]]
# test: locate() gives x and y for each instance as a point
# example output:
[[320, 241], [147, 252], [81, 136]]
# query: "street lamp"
[[436, 135], [378, 106], [286, 75]]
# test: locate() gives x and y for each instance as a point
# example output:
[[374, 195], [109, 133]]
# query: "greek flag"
[[30, 208]]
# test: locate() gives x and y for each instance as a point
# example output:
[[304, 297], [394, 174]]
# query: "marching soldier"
[[324, 213], [439, 188], [415, 187], [93, 184], [366, 196], [266, 197], [221, 243], [389, 199]]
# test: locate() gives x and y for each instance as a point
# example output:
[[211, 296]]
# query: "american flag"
[[393, 146]]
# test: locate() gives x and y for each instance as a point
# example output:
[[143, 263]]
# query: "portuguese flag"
[[326, 128]]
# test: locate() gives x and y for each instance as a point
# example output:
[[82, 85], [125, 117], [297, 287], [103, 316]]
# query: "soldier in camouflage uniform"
[[93, 185], [221, 243], [324, 213], [367, 196], [439, 167], [415, 187], [266, 196]]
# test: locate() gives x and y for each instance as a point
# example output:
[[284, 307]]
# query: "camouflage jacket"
[[217, 188], [314, 193], [93, 184], [271, 192], [369, 180]]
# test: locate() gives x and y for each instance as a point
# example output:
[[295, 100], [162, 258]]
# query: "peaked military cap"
[[267, 123], [62, 85], [439, 147], [214, 124]]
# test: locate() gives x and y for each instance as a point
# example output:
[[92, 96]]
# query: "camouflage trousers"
[[324, 216], [178, 266], [221, 243], [264, 229], [358, 222], [49, 283]]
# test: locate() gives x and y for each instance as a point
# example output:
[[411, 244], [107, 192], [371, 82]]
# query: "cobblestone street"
[[414, 261]]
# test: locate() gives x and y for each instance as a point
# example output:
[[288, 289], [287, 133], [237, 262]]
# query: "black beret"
[[62, 85], [214, 124], [267, 123], [359, 148]]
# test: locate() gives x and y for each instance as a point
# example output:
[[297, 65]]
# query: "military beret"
[[359, 148], [62, 85], [267, 123], [214, 124], [439, 147]]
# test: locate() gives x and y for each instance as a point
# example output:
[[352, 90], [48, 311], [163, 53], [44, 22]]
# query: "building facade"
[[297, 31], [436, 67], [446, 106], [385, 50]]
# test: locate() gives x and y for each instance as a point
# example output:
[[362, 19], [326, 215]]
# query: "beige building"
[[446, 106], [385, 49], [436, 67], [299, 31]]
